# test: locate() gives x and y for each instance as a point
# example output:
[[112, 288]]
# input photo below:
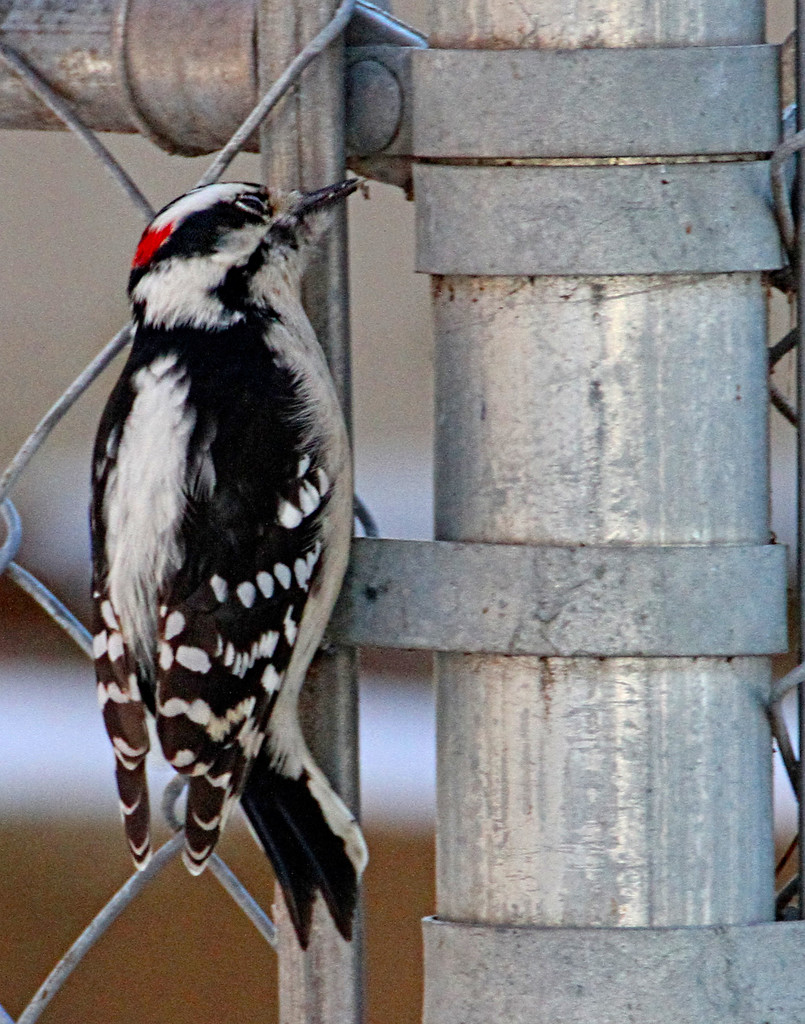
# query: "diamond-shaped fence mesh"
[[14, 527], [64, 617]]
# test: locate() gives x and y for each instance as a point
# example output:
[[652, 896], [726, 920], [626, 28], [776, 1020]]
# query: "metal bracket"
[[674, 601], [378, 113], [581, 103], [740, 974], [648, 219]]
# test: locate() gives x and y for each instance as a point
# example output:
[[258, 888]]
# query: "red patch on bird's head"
[[149, 243]]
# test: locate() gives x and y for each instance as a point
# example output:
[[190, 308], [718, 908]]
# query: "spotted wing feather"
[[223, 652]]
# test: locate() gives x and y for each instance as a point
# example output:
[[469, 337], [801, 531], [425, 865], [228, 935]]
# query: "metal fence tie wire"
[[785, 345]]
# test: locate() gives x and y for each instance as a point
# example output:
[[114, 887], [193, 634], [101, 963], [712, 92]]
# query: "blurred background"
[[68, 238]]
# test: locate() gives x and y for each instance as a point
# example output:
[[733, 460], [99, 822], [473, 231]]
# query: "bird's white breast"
[[145, 499]]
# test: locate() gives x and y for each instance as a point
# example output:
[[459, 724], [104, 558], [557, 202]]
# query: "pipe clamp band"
[[739, 974], [668, 101], [683, 601], [671, 218]]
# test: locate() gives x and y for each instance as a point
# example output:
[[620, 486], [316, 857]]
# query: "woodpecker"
[[221, 518]]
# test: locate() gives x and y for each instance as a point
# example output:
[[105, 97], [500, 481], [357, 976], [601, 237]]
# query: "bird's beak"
[[308, 202]]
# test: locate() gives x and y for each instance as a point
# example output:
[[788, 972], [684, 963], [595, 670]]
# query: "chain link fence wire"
[[790, 281], [13, 525], [791, 147]]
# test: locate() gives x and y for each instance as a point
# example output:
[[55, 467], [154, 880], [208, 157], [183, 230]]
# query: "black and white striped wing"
[[124, 715], [224, 646]]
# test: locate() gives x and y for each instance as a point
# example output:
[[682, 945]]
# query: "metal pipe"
[[625, 410], [303, 147], [589, 411], [184, 73]]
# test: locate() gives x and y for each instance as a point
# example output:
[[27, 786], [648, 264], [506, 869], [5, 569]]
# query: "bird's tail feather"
[[311, 839]]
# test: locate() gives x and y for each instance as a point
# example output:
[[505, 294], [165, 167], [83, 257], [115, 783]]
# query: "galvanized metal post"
[[303, 147], [625, 407], [592, 205]]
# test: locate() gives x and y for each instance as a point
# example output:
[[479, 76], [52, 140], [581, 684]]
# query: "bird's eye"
[[252, 202]]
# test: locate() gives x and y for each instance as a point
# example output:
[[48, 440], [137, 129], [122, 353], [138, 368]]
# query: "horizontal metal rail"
[[184, 74]]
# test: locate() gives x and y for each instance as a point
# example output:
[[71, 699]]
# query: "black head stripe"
[[200, 233]]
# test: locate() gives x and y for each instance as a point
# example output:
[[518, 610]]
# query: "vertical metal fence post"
[[303, 147], [597, 410]]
